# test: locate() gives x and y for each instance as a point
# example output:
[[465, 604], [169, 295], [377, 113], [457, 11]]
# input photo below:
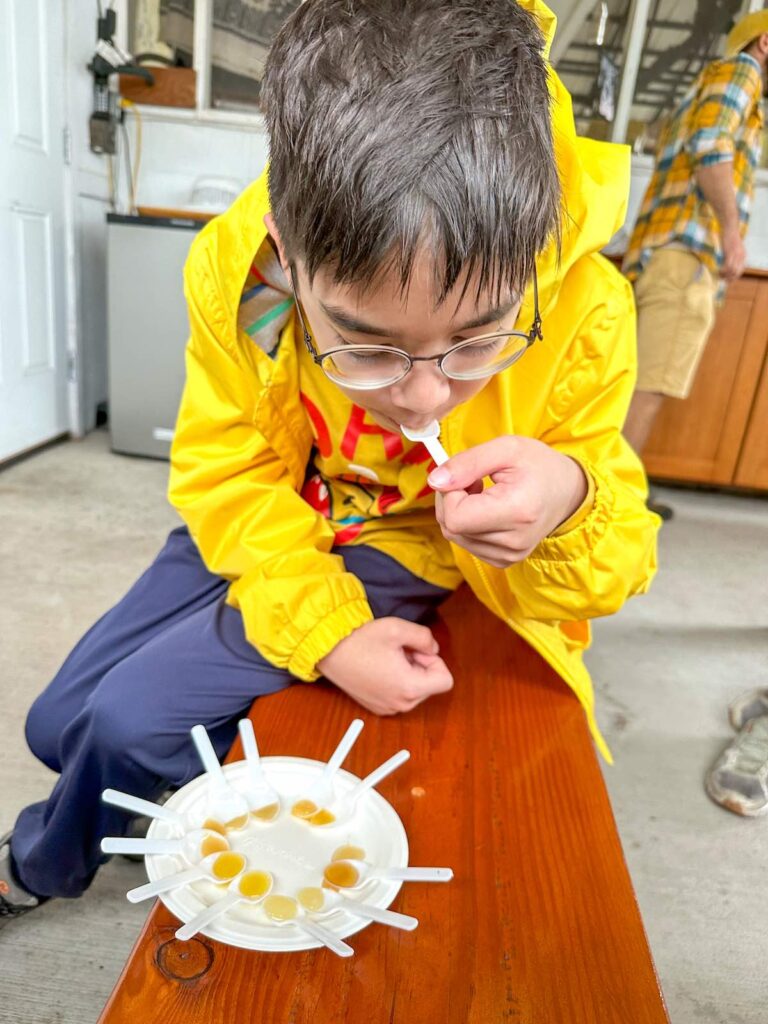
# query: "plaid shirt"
[[718, 120]]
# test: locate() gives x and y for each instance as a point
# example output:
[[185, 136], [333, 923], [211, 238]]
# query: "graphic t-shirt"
[[370, 483]]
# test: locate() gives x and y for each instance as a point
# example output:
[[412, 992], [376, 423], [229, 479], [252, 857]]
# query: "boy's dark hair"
[[397, 124]]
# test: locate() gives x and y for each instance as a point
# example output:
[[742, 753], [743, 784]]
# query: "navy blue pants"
[[118, 713]]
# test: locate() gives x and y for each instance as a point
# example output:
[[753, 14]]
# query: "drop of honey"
[[240, 822], [341, 874], [322, 817], [311, 898], [266, 813], [215, 826], [254, 884], [327, 885], [304, 809], [213, 844], [349, 853], [281, 908], [227, 865]]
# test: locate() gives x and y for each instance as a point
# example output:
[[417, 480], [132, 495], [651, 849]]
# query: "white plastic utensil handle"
[[379, 773], [327, 938], [415, 874], [139, 806], [119, 844], [207, 754], [436, 450], [389, 917], [199, 921], [430, 438], [145, 892], [347, 742], [250, 748]]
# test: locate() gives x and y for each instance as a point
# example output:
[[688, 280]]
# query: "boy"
[[402, 269]]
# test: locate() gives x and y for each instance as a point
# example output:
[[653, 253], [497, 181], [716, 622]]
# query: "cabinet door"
[[752, 470], [700, 439]]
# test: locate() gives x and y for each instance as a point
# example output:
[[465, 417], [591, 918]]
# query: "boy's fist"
[[388, 665]]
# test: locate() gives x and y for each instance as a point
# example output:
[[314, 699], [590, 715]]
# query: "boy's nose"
[[424, 390]]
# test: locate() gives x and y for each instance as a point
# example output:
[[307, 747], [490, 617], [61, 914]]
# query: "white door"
[[33, 388]]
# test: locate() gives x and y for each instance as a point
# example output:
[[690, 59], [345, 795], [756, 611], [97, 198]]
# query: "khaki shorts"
[[675, 297]]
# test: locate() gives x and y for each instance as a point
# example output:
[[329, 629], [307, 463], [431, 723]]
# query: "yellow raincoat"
[[243, 439]]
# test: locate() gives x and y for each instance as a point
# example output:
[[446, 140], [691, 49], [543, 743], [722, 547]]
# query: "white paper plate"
[[292, 850]]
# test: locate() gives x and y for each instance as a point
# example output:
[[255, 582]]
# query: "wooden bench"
[[539, 926]]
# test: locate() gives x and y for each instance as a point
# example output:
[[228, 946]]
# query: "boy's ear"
[[269, 221]]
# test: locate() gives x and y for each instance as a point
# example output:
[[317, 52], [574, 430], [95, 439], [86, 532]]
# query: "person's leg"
[[675, 298], [643, 410], [132, 734], [176, 585]]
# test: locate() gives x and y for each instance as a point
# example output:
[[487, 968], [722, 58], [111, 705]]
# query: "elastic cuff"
[[584, 508], [325, 635], [567, 545]]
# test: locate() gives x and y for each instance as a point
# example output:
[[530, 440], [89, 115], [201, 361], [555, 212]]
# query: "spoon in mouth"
[[430, 438]]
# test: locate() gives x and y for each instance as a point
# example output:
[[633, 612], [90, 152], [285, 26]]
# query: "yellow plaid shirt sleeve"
[[718, 120]]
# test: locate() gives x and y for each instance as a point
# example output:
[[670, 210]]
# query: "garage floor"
[[665, 670]]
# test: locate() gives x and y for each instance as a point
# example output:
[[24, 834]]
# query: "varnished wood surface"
[[173, 213], [539, 926], [701, 439], [752, 469], [173, 87]]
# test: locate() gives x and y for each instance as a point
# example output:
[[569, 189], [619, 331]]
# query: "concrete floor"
[[665, 670]]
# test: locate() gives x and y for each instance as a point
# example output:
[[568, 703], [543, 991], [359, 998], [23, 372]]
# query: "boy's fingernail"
[[439, 477]]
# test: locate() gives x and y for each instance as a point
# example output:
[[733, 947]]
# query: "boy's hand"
[[388, 665], [535, 489]]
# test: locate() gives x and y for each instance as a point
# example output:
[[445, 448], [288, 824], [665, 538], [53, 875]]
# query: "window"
[[225, 41]]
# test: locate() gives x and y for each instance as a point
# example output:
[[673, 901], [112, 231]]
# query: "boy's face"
[[381, 315]]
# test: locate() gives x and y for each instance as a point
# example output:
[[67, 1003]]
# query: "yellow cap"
[[745, 31]]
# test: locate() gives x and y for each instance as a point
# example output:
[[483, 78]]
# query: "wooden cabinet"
[[719, 435]]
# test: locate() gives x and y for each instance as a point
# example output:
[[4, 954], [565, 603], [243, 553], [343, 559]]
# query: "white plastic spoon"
[[193, 847], [321, 792], [263, 799], [224, 803], [430, 438], [250, 887], [219, 867], [351, 874], [285, 910], [324, 901], [136, 805], [344, 807]]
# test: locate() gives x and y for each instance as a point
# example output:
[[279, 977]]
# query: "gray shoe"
[[14, 898], [738, 780], [749, 705]]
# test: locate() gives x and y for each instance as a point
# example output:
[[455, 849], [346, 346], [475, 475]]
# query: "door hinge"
[[71, 367], [66, 143]]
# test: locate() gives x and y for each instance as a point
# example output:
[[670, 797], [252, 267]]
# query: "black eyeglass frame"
[[533, 335]]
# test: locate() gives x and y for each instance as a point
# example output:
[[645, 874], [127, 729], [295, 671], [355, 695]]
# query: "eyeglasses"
[[367, 367]]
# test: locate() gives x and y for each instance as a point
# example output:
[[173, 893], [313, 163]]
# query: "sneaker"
[[14, 898], [749, 705], [738, 780]]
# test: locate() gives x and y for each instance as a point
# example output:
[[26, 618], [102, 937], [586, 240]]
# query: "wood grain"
[[752, 470], [173, 87], [539, 926], [700, 439]]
